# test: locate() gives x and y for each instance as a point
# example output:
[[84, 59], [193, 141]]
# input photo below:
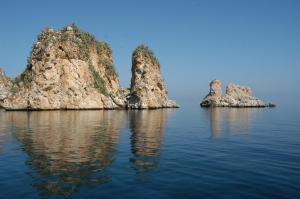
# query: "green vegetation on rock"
[[14, 89], [110, 67], [103, 47], [36, 52], [99, 83], [76, 44], [144, 51], [25, 77], [85, 41]]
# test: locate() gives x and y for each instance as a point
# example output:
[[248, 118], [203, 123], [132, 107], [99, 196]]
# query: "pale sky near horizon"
[[249, 42]]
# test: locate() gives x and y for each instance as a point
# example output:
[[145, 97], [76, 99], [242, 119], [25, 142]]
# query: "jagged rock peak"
[[215, 88], [236, 90], [147, 88], [71, 43], [144, 52], [235, 96], [4, 80], [2, 75], [67, 69]]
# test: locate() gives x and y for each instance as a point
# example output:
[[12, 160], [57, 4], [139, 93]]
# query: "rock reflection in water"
[[147, 128], [2, 130], [235, 120], [68, 149], [216, 121]]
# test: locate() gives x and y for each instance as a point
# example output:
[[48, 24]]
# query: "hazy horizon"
[[252, 43]]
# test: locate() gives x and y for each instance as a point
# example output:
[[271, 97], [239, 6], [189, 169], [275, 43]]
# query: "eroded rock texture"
[[5, 86], [70, 69], [67, 69], [235, 96], [147, 86]]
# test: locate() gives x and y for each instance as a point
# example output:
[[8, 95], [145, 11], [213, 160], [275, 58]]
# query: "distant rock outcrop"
[[147, 87], [236, 96], [70, 69]]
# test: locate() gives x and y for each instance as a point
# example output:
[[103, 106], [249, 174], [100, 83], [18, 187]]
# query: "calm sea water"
[[173, 153]]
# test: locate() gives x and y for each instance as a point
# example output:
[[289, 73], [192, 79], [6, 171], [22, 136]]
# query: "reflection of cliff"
[[2, 130], [68, 149], [6, 128], [216, 121], [240, 120], [147, 128], [235, 120]]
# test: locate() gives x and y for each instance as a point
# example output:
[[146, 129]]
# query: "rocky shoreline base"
[[236, 96]]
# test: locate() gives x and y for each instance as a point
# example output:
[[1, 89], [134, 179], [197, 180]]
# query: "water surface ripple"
[[170, 153]]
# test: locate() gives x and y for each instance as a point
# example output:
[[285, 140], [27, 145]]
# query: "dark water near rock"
[[179, 153]]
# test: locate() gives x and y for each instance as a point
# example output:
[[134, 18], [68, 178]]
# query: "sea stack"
[[147, 88], [67, 69], [71, 69], [235, 96]]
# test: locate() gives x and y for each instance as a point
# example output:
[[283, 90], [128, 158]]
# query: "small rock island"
[[70, 69], [235, 96]]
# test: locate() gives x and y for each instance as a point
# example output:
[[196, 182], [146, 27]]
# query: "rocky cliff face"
[[67, 69], [235, 96], [5, 86], [147, 87], [70, 69]]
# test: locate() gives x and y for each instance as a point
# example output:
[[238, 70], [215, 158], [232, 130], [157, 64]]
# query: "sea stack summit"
[[147, 87], [235, 96], [70, 69]]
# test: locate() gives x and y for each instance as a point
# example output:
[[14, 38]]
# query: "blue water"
[[176, 153]]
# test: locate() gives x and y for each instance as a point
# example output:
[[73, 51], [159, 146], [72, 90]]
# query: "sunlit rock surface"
[[5, 86], [147, 86], [235, 96]]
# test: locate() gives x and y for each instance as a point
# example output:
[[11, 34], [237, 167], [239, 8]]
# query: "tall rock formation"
[[147, 87], [235, 96], [215, 88], [5, 86], [214, 95], [70, 69], [67, 69]]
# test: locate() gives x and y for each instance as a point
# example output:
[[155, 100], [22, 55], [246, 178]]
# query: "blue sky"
[[249, 42]]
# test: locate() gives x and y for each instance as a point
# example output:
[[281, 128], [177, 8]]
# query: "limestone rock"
[[215, 88], [5, 86], [147, 87], [70, 69], [67, 69], [235, 96], [214, 95]]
